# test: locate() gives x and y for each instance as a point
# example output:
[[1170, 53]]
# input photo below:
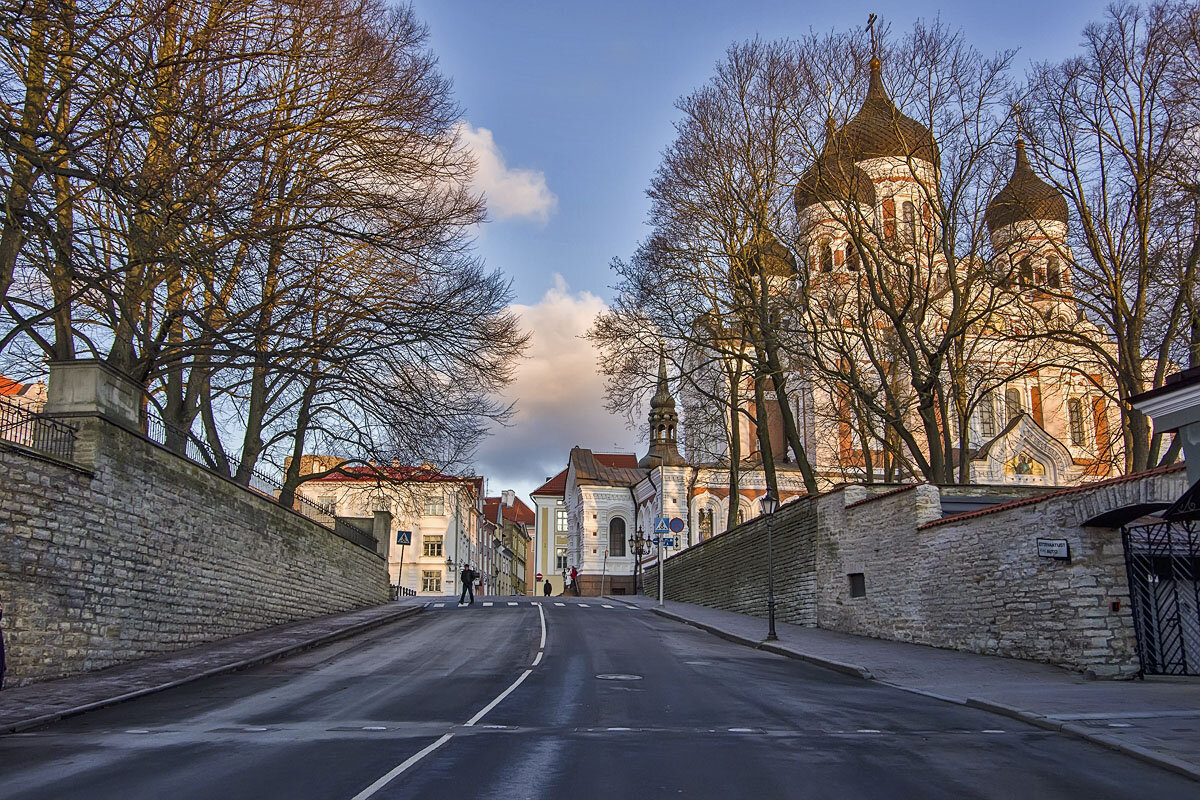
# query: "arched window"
[[851, 257], [889, 219], [987, 416], [706, 524], [741, 515], [670, 431], [1075, 419], [616, 537], [909, 212], [1012, 404], [825, 250], [1053, 273], [1026, 272]]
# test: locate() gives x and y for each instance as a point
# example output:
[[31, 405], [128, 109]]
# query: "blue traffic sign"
[[661, 525], [676, 525], [403, 537]]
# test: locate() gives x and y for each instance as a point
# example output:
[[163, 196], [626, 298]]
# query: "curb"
[[1170, 763], [262, 658], [838, 666]]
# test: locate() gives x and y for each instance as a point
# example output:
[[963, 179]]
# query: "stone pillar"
[[382, 528], [91, 388]]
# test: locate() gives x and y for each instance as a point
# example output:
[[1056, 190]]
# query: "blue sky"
[[568, 106]]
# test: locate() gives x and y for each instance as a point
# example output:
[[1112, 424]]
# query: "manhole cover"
[[619, 676]]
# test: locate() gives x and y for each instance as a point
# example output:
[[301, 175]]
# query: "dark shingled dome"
[[879, 130], [765, 252], [834, 178], [1024, 197]]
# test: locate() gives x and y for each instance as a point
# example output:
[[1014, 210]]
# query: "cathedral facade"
[[1039, 416]]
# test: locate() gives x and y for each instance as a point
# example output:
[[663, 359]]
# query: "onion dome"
[[765, 253], [879, 130], [834, 178], [1024, 197]]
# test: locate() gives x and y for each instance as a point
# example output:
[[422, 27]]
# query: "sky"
[[567, 107]]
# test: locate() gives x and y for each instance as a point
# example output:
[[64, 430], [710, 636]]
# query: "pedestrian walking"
[[574, 581], [547, 588], [467, 576]]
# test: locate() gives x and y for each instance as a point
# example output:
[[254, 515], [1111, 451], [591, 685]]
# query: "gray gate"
[[1163, 564]]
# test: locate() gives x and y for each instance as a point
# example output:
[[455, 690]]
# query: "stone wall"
[[729, 571], [134, 551], [975, 581], [972, 582]]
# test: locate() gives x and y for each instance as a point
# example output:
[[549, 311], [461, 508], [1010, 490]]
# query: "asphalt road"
[[619, 703]]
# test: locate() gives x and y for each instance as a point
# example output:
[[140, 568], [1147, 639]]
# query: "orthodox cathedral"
[[1043, 419]]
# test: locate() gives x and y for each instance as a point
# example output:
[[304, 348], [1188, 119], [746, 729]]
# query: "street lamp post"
[[639, 544], [769, 504]]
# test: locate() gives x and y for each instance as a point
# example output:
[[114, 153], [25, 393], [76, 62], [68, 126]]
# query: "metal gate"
[[1163, 564]]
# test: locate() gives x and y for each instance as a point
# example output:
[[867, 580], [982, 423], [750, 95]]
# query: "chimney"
[[508, 496]]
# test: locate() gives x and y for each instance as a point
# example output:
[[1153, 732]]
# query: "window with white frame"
[[987, 416], [560, 558], [560, 520], [327, 503], [435, 505], [1075, 420], [432, 546], [431, 580]]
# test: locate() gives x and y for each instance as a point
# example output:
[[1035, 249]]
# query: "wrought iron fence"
[[1163, 565], [36, 431], [185, 443]]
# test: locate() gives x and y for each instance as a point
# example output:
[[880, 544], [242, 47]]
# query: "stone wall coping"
[[891, 492], [40, 456], [1028, 501]]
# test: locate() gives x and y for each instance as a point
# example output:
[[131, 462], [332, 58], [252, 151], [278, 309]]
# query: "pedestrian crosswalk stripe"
[[439, 605], [487, 603], [512, 604], [584, 605], [604, 606]]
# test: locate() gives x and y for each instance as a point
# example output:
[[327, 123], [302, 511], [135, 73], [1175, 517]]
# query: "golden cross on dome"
[[871, 27]]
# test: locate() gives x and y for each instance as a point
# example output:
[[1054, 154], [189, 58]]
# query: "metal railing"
[[36, 431], [197, 451]]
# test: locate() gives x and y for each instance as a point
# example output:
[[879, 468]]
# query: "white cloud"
[[559, 393], [511, 193]]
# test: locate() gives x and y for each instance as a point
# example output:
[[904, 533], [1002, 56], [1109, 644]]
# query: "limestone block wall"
[[975, 581], [729, 571], [137, 551]]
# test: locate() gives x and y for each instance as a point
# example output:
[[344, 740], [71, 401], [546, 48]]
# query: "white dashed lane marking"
[[560, 604], [488, 604], [513, 604]]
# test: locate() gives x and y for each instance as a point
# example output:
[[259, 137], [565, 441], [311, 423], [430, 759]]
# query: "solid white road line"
[[483, 711], [413, 759], [391, 775], [542, 617]]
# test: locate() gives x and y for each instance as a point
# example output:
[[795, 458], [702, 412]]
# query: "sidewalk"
[[1156, 720], [27, 707]]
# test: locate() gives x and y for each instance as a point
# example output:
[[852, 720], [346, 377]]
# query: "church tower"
[[664, 425]]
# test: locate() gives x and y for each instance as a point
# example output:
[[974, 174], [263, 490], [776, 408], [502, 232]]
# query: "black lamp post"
[[639, 545], [769, 504]]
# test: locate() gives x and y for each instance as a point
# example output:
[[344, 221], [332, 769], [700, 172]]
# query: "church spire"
[[664, 422]]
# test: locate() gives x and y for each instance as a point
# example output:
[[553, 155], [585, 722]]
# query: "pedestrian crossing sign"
[[661, 525], [403, 537]]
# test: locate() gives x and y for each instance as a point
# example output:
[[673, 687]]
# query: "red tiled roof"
[[9, 388], [491, 506], [494, 509], [557, 486], [1028, 501], [369, 473]]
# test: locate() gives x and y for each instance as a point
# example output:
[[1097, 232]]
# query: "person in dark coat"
[[467, 576], [547, 588]]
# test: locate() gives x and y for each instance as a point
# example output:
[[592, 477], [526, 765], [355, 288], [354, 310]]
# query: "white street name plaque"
[[1054, 548]]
